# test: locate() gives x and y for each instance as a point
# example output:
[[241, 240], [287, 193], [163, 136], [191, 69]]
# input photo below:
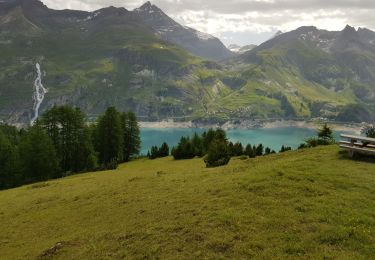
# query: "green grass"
[[309, 204]]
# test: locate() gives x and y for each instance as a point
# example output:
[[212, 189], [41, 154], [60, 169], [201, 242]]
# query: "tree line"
[[212, 145], [216, 150], [61, 143]]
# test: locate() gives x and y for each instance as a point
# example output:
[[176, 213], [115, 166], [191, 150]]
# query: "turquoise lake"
[[273, 138]]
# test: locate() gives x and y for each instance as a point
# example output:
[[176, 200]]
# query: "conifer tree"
[[218, 154], [109, 138], [38, 156], [9, 163], [325, 135], [249, 151], [67, 128], [131, 135]]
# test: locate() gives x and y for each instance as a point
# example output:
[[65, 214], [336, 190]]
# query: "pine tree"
[[9, 163], [285, 149], [249, 151], [259, 150], [109, 138], [197, 144], [38, 156], [218, 154], [325, 135], [154, 152], [163, 150], [66, 127], [131, 135], [238, 149]]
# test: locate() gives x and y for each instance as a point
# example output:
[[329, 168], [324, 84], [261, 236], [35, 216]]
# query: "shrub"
[[285, 149], [370, 132], [218, 154]]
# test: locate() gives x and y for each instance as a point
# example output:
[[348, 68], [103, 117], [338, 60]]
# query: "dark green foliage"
[[236, 149], [61, 144], [325, 135], [370, 132], [312, 142], [184, 149], [303, 146], [9, 163], [163, 150], [109, 138], [11, 133], [71, 137], [39, 160], [218, 154], [211, 135], [249, 151], [197, 143], [259, 150], [285, 149], [267, 151], [156, 152], [131, 135], [197, 146]]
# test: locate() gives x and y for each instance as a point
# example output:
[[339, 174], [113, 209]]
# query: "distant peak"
[[349, 28], [149, 8], [146, 6], [349, 32]]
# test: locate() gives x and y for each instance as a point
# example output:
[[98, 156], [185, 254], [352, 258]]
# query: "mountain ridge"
[[113, 56]]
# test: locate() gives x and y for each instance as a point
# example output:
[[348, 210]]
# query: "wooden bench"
[[358, 144]]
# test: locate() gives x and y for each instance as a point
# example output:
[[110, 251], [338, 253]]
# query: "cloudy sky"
[[248, 21]]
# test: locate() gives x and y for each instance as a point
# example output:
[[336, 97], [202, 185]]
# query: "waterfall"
[[39, 93]]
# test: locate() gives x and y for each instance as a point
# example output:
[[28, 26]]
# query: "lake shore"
[[248, 124]]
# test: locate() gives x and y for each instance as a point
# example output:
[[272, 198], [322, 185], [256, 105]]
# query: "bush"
[[285, 149], [370, 132], [156, 152], [324, 137], [218, 154]]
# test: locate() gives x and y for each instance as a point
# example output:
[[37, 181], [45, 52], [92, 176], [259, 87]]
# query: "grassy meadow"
[[309, 204]]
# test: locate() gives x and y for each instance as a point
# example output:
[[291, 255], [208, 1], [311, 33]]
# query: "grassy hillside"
[[313, 203]]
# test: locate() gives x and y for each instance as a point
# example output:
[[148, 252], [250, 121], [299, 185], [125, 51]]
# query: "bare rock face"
[[196, 42]]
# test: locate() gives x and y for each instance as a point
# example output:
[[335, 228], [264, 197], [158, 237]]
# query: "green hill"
[[310, 204]]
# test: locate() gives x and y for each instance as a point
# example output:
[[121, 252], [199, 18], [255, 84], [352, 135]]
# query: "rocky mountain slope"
[[198, 43], [144, 61], [321, 73]]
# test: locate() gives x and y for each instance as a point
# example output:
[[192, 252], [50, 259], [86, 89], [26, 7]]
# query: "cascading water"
[[39, 93]]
